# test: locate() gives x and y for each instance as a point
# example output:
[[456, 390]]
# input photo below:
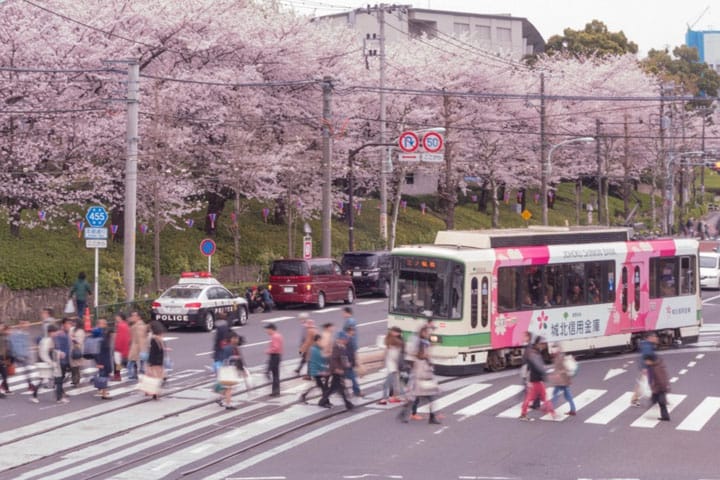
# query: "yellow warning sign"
[[526, 215]]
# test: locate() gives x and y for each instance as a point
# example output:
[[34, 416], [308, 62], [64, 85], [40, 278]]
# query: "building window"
[[461, 29], [482, 32], [409, 178], [504, 35]]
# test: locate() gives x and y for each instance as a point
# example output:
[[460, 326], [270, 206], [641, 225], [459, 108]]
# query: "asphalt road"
[[185, 435]]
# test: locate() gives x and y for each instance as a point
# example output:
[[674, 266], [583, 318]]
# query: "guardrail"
[[110, 310]]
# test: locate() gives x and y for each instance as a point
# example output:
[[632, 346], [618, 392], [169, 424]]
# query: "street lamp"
[[547, 166]]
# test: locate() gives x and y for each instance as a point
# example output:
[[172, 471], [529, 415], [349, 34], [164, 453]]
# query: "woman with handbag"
[[423, 383], [156, 358], [229, 372], [77, 340], [104, 359], [138, 354]]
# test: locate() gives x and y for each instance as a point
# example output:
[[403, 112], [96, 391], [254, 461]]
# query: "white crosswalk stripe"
[[584, 399], [610, 412], [454, 397], [490, 401], [650, 418], [515, 410], [701, 415]]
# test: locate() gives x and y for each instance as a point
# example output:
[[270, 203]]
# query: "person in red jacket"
[[122, 343]]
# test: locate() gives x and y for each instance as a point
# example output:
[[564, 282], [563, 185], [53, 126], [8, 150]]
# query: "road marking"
[[454, 397], [614, 372], [674, 379], [370, 302], [326, 310], [490, 401], [372, 323], [710, 328], [701, 415], [607, 414], [709, 300], [277, 319], [699, 356], [691, 364], [650, 418], [683, 371], [261, 457], [584, 399]]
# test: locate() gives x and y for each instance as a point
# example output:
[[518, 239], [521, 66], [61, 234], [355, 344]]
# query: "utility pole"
[[327, 88], [130, 219], [598, 156], [702, 168], [383, 127], [544, 173]]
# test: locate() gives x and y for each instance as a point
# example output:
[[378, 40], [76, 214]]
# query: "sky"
[[649, 23]]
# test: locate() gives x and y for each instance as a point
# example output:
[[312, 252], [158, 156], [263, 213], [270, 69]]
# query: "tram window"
[[485, 292], [428, 286], [663, 277], [687, 275], [456, 291], [506, 289], [474, 302], [553, 286], [624, 282], [636, 287], [575, 274]]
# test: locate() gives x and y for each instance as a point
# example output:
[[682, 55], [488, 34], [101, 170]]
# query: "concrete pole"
[[545, 161], [131, 180], [327, 168], [383, 127]]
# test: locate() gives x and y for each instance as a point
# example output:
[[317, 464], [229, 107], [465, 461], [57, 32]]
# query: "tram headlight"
[[435, 338]]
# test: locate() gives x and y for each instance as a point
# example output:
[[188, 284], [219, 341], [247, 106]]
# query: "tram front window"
[[427, 287]]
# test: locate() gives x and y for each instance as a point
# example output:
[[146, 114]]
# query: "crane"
[[690, 27]]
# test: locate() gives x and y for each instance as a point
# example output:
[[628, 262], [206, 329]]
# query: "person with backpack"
[[562, 378], [536, 377], [80, 290]]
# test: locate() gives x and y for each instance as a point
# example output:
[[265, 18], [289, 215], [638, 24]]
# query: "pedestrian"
[[659, 384], [423, 383], [266, 299], [339, 364], [77, 343], [318, 368], [351, 373], [46, 317], [104, 358], [5, 358], [307, 341], [561, 379], [80, 290], [536, 377], [122, 344], [62, 343], [647, 349], [524, 375], [45, 361], [393, 360], [138, 352], [156, 355], [274, 351], [690, 226], [56, 357], [19, 339], [327, 340], [231, 358], [222, 336]]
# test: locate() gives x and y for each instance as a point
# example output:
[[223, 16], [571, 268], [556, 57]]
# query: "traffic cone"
[[86, 317]]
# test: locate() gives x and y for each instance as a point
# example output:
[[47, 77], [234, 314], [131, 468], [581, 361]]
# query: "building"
[[504, 36], [707, 44]]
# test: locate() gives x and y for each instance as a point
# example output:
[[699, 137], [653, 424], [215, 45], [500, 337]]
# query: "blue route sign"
[[207, 247], [96, 216]]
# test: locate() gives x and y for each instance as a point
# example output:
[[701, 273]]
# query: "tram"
[[592, 289]]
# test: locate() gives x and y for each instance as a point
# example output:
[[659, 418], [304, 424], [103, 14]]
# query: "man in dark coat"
[[659, 384]]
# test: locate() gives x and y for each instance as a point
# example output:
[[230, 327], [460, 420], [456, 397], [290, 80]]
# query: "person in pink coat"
[[122, 342]]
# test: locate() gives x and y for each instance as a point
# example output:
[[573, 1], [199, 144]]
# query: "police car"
[[197, 300]]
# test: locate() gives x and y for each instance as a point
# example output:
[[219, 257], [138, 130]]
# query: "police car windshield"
[[182, 292]]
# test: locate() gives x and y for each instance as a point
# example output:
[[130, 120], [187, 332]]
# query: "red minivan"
[[315, 280]]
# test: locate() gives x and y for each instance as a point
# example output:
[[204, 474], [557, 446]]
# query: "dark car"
[[315, 280], [370, 271]]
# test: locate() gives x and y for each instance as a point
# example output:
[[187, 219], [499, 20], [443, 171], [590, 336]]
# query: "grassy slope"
[[47, 258]]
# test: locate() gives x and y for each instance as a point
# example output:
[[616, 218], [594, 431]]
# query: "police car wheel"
[[209, 323], [321, 300], [350, 296], [242, 316]]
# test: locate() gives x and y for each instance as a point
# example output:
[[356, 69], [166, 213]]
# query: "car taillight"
[[269, 287], [193, 305], [156, 305], [308, 287]]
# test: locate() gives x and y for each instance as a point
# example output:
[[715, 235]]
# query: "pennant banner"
[[422, 208], [537, 198], [114, 230], [474, 198], [403, 204], [233, 217], [213, 217], [341, 206], [41, 215], [143, 229], [358, 208], [189, 222], [80, 226], [265, 214]]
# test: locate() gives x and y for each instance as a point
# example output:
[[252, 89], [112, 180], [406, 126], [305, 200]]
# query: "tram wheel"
[[496, 361]]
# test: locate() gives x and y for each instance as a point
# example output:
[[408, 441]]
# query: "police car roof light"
[[196, 275]]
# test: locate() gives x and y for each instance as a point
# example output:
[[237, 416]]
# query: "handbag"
[[428, 386], [248, 379], [101, 383], [228, 375], [644, 386], [69, 306], [149, 385], [10, 368], [44, 370]]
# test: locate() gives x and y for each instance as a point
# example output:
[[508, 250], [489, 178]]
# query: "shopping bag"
[[149, 385], [570, 364], [228, 375], [644, 386], [101, 383], [69, 307], [248, 379], [44, 370]]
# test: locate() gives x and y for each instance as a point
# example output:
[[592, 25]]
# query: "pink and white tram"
[[591, 289]]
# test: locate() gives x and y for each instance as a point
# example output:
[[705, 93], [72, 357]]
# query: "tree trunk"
[[397, 197], [494, 188], [236, 237], [157, 227], [578, 200], [15, 222]]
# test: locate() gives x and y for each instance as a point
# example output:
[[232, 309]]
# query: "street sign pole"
[[209, 263], [97, 274], [96, 237]]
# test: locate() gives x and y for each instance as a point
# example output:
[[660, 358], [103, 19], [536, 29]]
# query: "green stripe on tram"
[[472, 340]]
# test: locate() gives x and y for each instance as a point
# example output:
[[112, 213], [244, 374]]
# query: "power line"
[[288, 83], [47, 112], [57, 70]]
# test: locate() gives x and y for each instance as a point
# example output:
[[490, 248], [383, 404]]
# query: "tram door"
[[479, 302], [631, 279]]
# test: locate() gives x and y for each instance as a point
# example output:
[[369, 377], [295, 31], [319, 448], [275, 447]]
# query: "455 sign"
[[96, 216]]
